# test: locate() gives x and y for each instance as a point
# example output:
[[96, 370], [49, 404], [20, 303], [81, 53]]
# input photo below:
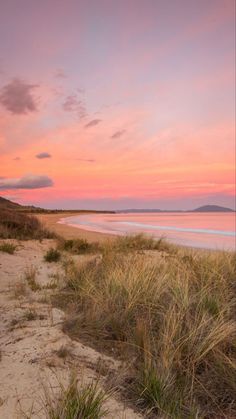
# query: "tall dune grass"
[[17, 225], [76, 402], [171, 316]]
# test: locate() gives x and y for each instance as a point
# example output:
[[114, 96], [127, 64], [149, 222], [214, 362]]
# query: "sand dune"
[[31, 334]]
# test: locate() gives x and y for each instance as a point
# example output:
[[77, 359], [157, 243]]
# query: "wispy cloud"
[[118, 134], [26, 182], [17, 97], [87, 160], [75, 105], [60, 74], [43, 155], [93, 123]]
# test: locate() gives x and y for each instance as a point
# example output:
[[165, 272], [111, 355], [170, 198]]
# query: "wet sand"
[[51, 221]]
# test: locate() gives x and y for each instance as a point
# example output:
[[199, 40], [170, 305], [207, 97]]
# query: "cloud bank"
[[17, 97], [26, 182]]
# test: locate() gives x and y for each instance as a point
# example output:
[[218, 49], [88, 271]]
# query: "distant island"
[[212, 208]]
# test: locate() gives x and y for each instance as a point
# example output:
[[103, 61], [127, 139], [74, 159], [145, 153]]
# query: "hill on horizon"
[[204, 208], [10, 205], [7, 204], [212, 208]]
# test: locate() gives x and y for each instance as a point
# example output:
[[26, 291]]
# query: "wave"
[[182, 229]]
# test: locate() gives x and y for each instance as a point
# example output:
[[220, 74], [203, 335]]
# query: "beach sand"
[[51, 221]]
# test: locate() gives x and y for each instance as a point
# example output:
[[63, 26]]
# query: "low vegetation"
[[76, 402], [30, 277], [120, 244], [170, 316], [52, 255], [78, 246], [30, 315], [17, 225], [8, 248], [63, 352], [140, 242], [19, 289]]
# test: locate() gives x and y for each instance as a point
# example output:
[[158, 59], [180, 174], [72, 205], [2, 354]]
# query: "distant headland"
[[7, 204]]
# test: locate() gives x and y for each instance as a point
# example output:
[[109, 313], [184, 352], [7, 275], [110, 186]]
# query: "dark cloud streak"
[[17, 97], [43, 155], [92, 123], [118, 134], [87, 160]]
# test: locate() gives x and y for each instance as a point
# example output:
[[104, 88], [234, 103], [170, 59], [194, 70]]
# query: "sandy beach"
[[51, 221]]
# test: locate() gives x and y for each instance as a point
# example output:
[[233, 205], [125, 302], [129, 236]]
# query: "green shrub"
[[52, 255]]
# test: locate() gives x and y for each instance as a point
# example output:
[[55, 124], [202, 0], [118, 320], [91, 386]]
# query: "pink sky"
[[110, 105]]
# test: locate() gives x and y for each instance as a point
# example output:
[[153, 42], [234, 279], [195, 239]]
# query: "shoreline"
[[55, 223], [51, 221]]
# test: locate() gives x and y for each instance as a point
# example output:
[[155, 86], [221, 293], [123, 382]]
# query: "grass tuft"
[[140, 242], [30, 315], [63, 352], [8, 248], [77, 402], [78, 246], [19, 289], [30, 277], [52, 255]]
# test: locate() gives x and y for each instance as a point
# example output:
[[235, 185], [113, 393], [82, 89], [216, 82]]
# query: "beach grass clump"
[[78, 246], [139, 242], [8, 248], [30, 278], [18, 225], [52, 255], [174, 317], [76, 402], [135, 243], [130, 243], [19, 289], [63, 352], [30, 315]]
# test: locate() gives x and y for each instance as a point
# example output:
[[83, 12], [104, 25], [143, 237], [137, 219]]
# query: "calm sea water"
[[206, 230]]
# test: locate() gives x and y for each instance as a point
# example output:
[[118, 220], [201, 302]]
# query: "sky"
[[108, 104]]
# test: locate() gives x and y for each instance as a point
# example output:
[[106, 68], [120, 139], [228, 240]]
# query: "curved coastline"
[[201, 237]]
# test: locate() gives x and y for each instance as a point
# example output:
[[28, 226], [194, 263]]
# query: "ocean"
[[203, 230]]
